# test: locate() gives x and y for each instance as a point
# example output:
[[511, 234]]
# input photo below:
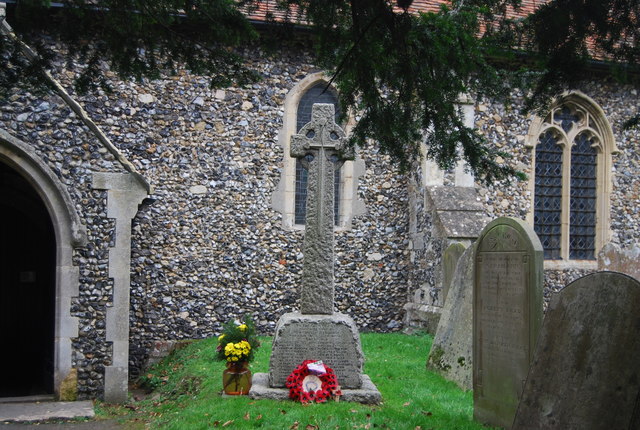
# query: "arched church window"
[[572, 165], [319, 93], [289, 199]]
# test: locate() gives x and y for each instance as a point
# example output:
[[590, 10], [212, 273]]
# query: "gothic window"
[[572, 160], [319, 93], [290, 196]]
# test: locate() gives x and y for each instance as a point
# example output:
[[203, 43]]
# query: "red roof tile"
[[262, 8]]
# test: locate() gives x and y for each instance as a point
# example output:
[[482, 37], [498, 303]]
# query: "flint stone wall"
[[507, 129], [208, 247], [72, 153], [200, 259]]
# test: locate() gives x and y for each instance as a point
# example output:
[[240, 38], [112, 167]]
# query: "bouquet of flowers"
[[238, 341]]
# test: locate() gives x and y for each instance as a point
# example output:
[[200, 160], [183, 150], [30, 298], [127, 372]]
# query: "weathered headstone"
[[450, 258], [614, 258], [317, 333], [451, 352], [586, 370], [507, 313]]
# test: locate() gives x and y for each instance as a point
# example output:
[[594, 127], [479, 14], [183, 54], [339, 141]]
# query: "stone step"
[[45, 411]]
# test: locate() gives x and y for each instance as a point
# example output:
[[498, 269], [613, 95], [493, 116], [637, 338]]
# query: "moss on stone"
[[69, 387]]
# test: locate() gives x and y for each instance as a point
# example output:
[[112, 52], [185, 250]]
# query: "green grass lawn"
[[187, 388]]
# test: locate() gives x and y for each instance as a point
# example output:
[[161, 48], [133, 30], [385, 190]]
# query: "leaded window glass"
[[319, 93], [566, 117], [582, 222], [565, 196], [548, 194]]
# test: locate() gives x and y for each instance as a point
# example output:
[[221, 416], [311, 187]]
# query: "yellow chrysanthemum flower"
[[242, 327]]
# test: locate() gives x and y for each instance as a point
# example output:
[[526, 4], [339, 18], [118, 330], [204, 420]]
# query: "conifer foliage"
[[400, 72]]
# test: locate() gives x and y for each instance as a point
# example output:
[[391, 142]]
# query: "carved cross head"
[[321, 132]]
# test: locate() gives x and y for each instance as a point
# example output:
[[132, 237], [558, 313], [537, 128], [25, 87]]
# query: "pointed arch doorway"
[[27, 289]]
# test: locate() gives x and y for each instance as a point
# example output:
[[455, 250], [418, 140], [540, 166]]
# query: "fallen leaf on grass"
[[282, 411], [406, 404], [427, 413], [294, 426], [227, 423], [259, 417], [247, 416], [353, 411], [311, 427]]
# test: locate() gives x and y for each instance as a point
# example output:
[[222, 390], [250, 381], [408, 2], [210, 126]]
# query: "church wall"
[[208, 246], [72, 153], [507, 128]]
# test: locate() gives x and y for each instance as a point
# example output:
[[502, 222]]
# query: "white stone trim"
[[124, 193], [463, 177], [283, 199], [605, 148], [69, 234]]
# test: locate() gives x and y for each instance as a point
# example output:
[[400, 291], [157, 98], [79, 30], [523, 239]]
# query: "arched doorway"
[[27, 289]]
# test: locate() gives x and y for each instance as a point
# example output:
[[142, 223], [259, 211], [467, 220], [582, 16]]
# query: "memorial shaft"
[[324, 141]]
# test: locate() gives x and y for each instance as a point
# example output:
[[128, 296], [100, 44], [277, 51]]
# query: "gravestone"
[[450, 259], [316, 332], [586, 370], [451, 353], [507, 313]]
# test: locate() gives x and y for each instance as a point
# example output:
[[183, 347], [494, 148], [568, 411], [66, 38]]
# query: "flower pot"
[[236, 379]]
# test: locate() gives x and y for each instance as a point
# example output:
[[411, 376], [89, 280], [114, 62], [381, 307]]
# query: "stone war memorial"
[[317, 332], [507, 314], [585, 373]]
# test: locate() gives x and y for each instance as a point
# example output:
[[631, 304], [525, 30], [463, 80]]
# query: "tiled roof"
[[262, 8]]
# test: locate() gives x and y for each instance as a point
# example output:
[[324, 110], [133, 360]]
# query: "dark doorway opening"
[[27, 289]]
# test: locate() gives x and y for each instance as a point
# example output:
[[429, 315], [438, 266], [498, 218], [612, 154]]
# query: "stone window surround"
[[605, 148], [69, 234], [283, 199], [432, 174]]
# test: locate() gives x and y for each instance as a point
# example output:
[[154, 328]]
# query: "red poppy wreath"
[[312, 381]]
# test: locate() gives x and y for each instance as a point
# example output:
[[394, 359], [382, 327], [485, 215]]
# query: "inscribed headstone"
[[586, 369], [507, 313], [450, 259], [451, 352]]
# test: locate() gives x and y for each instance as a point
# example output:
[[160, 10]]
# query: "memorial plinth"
[[334, 339], [317, 332]]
